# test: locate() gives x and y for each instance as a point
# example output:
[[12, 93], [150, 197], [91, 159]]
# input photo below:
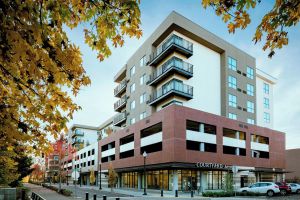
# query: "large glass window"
[[250, 89], [215, 180], [232, 82], [266, 103], [143, 115], [132, 88], [142, 79], [142, 98], [250, 121], [232, 100], [132, 105], [250, 72], [250, 107], [266, 88], [232, 116], [143, 61], [132, 71], [232, 63], [267, 117]]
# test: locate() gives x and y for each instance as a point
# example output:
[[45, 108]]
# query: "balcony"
[[77, 141], [121, 103], [77, 132], [172, 88], [172, 66], [120, 118], [120, 88], [173, 43]]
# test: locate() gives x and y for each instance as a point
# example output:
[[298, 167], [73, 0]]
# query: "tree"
[[39, 66], [284, 14], [92, 177], [23, 168], [37, 173], [112, 177], [228, 182]]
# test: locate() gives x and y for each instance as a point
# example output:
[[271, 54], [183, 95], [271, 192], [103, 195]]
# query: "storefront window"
[[215, 180]]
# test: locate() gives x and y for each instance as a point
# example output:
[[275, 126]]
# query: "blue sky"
[[97, 99]]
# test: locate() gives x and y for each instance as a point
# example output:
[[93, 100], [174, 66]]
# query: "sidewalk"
[[136, 193], [46, 193]]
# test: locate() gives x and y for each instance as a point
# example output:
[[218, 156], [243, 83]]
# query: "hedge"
[[230, 194], [64, 192]]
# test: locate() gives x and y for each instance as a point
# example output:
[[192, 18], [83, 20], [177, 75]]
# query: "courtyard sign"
[[211, 165]]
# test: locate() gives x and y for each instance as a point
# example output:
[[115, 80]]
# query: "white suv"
[[268, 188], [295, 187]]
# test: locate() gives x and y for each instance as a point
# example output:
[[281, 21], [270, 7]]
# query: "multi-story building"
[[293, 165], [52, 162], [193, 103], [80, 136]]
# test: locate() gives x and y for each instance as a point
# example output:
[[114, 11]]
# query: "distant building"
[[293, 164], [52, 161]]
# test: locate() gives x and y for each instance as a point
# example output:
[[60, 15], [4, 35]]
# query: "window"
[[232, 100], [266, 103], [143, 115], [132, 105], [250, 107], [89, 153], [232, 63], [250, 72], [266, 117], [132, 88], [250, 121], [142, 79], [232, 82], [132, 71], [142, 98], [250, 89], [93, 162], [266, 88], [232, 116], [132, 121], [143, 61], [84, 155], [93, 151], [89, 163]]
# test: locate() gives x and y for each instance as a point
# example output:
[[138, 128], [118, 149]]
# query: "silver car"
[[295, 187], [267, 188]]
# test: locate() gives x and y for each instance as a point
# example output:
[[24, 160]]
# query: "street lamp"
[[80, 176], [100, 187], [67, 176], [145, 155]]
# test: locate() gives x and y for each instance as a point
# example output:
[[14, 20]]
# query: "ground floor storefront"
[[195, 179]]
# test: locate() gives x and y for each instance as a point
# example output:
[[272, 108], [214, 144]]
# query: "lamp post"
[[80, 176], [67, 175], [100, 187], [145, 155]]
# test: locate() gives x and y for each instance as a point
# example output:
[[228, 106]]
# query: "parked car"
[[267, 188], [295, 187], [284, 188]]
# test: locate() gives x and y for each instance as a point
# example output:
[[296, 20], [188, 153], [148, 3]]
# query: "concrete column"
[[201, 127], [237, 135], [119, 180], [237, 151], [139, 180], [203, 180], [202, 146], [199, 181], [88, 179], [175, 180]]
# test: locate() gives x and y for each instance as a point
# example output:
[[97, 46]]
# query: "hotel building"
[[197, 106]]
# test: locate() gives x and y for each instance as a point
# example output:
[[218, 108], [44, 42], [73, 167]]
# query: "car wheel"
[[283, 192], [270, 193], [244, 192], [298, 191]]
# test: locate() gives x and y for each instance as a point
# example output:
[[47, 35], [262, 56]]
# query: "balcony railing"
[[173, 87], [77, 132], [120, 118], [172, 43], [120, 88], [120, 103], [172, 65]]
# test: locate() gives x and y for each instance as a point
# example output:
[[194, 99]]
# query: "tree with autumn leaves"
[[39, 65], [273, 26]]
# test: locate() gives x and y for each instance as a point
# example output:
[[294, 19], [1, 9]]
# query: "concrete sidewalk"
[[46, 193]]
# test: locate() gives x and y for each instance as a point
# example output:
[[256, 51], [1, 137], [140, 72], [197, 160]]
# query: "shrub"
[[229, 194], [65, 192]]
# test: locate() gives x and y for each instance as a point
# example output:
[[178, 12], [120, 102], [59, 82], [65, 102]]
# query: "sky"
[[97, 99]]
